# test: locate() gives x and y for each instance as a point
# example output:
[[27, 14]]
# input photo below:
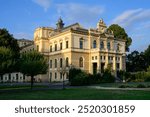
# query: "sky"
[[22, 17]]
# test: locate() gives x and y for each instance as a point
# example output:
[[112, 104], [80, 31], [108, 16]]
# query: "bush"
[[147, 77], [123, 86], [107, 77], [96, 78], [140, 77], [73, 72], [80, 79], [141, 86], [77, 77]]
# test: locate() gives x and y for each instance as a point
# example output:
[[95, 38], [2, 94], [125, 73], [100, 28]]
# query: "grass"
[[9, 87], [73, 94]]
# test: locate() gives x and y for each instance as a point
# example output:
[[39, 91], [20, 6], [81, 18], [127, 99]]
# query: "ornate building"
[[91, 50]]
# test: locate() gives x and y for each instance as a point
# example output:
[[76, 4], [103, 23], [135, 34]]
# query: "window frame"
[[94, 44], [67, 44], [81, 43], [81, 62], [67, 62]]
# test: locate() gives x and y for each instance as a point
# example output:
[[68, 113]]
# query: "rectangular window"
[[1, 78], [23, 77], [50, 48], [60, 75], [55, 63], [101, 57], [9, 76], [50, 76], [60, 46], [81, 44], [50, 63], [55, 75], [95, 57], [17, 77], [61, 62], [118, 66], [66, 44], [112, 58], [55, 47], [67, 75]]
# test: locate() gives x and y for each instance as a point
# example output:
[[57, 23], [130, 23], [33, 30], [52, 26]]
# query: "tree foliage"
[[136, 62], [120, 33], [7, 40], [33, 63], [7, 61], [147, 55]]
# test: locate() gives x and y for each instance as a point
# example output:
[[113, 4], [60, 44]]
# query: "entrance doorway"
[[94, 68]]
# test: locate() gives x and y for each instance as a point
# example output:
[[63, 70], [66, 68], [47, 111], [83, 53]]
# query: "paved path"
[[115, 88], [59, 86]]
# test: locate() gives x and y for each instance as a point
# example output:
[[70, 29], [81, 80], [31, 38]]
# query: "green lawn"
[[73, 94]]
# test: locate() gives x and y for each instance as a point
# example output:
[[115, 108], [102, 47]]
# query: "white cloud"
[[82, 13], [131, 17], [137, 24], [43, 3]]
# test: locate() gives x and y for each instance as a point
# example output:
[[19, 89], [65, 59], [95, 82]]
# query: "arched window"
[[94, 44], [51, 48], [108, 45], [81, 62], [55, 47], [67, 62], [102, 45], [61, 61]]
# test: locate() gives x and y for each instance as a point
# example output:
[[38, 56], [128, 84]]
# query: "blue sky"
[[22, 17]]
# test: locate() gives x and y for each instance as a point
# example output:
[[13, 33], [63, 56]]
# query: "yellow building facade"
[[91, 50]]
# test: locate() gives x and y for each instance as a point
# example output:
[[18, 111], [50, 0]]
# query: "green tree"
[[7, 61], [147, 55], [136, 62], [7, 40], [33, 63], [120, 33]]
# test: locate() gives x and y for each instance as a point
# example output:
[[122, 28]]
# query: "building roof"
[[24, 40]]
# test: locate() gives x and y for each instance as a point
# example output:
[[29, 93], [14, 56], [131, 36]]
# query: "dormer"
[[101, 26]]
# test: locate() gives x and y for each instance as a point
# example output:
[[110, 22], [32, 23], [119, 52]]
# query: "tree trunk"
[[32, 80]]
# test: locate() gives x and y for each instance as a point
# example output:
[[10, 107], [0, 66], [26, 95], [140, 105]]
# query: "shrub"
[[122, 86], [148, 86], [73, 72], [96, 78], [80, 79], [107, 77], [141, 86], [147, 77]]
